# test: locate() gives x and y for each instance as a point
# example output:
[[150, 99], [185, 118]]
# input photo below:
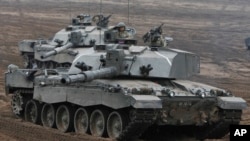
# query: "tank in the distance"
[[125, 92], [68, 42]]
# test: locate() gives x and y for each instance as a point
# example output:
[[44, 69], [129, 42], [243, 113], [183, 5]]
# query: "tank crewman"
[[122, 33], [81, 17], [155, 38], [158, 41]]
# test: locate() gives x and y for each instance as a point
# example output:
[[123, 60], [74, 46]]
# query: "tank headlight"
[[171, 93], [203, 95], [42, 83]]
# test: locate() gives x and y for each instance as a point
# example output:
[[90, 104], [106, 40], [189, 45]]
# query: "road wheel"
[[64, 118], [32, 112], [48, 116], [98, 120], [116, 124], [81, 121], [18, 104]]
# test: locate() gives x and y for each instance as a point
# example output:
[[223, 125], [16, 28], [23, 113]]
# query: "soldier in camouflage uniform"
[[122, 33], [157, 39]]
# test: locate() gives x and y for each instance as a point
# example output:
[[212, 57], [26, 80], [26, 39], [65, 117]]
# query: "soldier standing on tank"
[[122, 33]]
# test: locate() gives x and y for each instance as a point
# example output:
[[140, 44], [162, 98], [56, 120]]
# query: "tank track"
[[221, 128], [143, 120]]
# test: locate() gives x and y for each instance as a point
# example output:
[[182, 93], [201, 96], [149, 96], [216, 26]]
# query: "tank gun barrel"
[[56, 50], [89, 75]]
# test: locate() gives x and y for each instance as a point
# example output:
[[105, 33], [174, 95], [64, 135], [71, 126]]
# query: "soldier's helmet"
[[121, 26]]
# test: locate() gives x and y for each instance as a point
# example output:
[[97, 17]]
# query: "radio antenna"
[[100, 19], [70, 16], [128, 12], [88, 7], [100, 7]]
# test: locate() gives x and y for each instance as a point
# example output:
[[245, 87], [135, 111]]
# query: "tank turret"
[[139, 61]]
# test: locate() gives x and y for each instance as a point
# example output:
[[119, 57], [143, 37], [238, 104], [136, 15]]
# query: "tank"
[[124, 93], [70, 41]]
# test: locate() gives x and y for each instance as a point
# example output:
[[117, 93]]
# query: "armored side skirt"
[[95, 96]]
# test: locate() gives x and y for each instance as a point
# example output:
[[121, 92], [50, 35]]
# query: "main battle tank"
[[124, 92], [70, 41]]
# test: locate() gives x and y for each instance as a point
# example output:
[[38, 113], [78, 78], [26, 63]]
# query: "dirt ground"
[[213, 29]]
